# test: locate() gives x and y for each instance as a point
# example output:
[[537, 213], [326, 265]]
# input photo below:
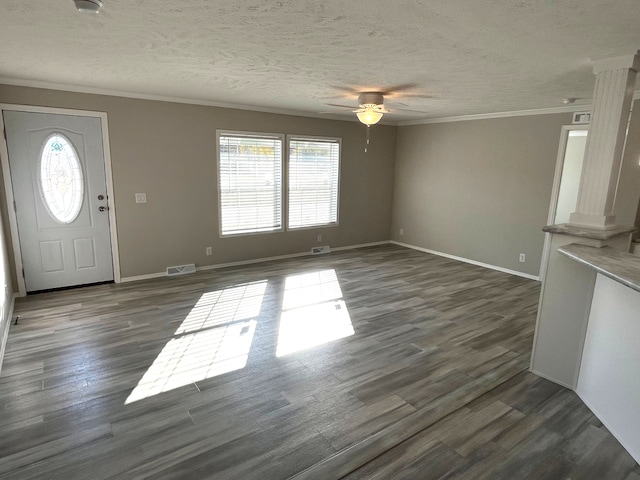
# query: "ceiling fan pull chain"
[[366, 145]]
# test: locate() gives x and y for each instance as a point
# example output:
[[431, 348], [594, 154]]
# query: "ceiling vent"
[[581, 118]]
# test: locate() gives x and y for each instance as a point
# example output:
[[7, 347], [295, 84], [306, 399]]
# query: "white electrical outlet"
[[402, 231], [319, 238], [522, 258], [141, 198], [209, 251]]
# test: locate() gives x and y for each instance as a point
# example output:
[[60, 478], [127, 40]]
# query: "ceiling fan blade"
[[345, 90], [407, 90], [395, 89], [341, 106], [333, 112], [409, 111]]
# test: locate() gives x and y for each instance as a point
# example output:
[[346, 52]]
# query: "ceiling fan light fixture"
[[369, 116], [88, 6]]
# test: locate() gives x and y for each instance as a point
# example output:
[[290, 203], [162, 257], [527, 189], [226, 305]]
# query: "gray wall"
[[477, 189], [167, 150]]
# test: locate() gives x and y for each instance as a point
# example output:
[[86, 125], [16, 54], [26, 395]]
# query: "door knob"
[[103, 209]]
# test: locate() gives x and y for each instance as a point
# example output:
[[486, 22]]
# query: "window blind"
[[314, 167], [250, 183]]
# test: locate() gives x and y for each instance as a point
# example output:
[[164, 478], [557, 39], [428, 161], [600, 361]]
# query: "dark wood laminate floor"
[[527, 428], [198, 377]]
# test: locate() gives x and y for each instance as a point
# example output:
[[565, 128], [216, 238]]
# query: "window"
[[61, 181], [314, 166], [250, 182]]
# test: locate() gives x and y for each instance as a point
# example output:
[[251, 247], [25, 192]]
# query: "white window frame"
[[335, 140], [237, 133]]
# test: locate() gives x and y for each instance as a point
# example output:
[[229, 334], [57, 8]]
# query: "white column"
[[567, 288], [612, 97]]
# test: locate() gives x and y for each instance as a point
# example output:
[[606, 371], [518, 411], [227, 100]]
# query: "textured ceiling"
[[447, 58]]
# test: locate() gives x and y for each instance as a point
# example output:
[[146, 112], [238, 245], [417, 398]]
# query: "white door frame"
[[555, 191], [8, 185]]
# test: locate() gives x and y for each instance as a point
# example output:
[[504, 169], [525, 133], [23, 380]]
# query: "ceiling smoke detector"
[[88, 6]]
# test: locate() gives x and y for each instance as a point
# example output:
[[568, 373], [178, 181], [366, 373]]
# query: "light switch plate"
[[141, 198]]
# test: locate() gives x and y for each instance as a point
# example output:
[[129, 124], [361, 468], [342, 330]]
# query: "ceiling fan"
[[370, 108]]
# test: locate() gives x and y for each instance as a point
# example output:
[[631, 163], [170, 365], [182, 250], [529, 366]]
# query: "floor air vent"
[[181, 269], [321, 250]]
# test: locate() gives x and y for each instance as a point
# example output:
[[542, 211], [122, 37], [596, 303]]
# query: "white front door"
[[58, 176]]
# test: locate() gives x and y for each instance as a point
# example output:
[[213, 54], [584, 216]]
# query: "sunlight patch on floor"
[[313, 312], [215, 338]]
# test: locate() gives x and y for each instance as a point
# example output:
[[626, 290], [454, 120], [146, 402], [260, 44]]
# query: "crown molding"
[[483, 116], [282, 111], [165, 98], [515, 113]]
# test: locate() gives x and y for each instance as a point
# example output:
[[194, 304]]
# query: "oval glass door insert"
[[61, 179]]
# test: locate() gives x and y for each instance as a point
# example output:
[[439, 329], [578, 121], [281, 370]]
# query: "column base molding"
[[620, 235], [592, 221]]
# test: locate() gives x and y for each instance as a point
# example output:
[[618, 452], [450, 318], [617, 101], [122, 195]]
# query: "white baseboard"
[[147, 276], [466, 260], [553, 380], [5, 334], [337, 249], [361, 245], [252, 261]]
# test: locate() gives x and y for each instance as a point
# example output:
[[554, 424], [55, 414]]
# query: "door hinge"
[[15, 207], [4, 132]]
